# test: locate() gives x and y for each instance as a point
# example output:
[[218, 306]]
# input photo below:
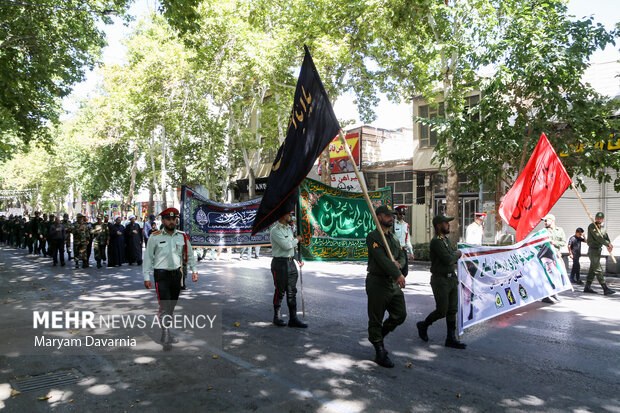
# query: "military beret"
[[79, 215], [401, 208], [382, 209], [600, 215], [441, 218], [170, 212]]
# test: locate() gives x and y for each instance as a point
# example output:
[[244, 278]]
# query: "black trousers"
[[404, 271], [285, 277], [574, 272], [168, 287], [57, 247]]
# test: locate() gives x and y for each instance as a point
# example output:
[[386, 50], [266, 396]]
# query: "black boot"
[[381, 357], [607, 290], [422, 330], [77, 264], [294, 321], [98, 263], [452, 341], [166, 339], [277, 320], [588, 288], [85, 264]]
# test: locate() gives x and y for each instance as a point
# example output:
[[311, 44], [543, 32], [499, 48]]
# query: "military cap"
[[170, 213], [382, 209], [600, 215], [99, 216], [401, 208], [65, 215], [438, 219], [79, 215]]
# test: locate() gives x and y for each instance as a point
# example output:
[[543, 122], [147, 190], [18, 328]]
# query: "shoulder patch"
[[156, 233], [375, 245]]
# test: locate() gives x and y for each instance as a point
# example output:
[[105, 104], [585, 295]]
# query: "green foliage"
[[44, 49], [422, 251]]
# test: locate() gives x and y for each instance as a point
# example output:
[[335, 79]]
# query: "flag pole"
[[590, 216], [301, 278], [365, 192]]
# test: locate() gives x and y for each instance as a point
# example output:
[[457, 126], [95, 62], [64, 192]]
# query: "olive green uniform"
[[596, 240], [381, 288], [444, 281]]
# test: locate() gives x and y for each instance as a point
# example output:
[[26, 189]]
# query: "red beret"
[[170, 212], [480, 214], [401, 207]]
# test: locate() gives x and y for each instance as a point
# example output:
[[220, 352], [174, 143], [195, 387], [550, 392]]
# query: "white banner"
[[347, 182], [494, 280]]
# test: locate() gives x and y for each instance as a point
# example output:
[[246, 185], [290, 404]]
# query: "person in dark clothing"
[[56, 239], [116, 249], [133, 241], [574, 252]]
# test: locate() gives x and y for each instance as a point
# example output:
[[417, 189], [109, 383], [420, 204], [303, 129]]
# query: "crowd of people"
[[114, 243]]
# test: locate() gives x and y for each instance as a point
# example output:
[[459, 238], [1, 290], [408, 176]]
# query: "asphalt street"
[[548, 358]]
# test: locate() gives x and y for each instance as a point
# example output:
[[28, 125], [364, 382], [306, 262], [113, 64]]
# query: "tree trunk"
[[132, 185], [163, 170], [452, 203]]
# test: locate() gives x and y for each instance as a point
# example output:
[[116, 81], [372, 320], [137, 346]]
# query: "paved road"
[[564, 357]]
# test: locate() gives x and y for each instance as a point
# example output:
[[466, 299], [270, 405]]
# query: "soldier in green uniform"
[[81, 238], [101, 239], [42, 231], [384, 284], [67, 224], [443, 282], [597, 237], [21, 233], [2, 228]]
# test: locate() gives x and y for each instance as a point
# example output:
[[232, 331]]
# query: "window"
[[420, 195], [470, 102], [428, 137]]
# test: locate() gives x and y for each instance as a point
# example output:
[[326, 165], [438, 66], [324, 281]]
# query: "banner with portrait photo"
[[213, 224], [335, 223], [494, 280]]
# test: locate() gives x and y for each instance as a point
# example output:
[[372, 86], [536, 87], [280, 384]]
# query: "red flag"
[[537, 189]]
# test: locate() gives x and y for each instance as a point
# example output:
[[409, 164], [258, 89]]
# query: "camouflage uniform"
[[597, 238], [101, 235], [80, 241], [67, 224]]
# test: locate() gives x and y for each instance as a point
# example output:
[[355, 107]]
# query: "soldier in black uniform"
[[443, 282], [384, 284]]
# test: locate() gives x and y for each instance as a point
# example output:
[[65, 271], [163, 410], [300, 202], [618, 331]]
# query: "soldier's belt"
[[284, 258], [445, 274]]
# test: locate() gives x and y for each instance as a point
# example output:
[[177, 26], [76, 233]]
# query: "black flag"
[[311, 127]]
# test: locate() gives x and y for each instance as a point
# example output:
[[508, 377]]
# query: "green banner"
[[334, 223]]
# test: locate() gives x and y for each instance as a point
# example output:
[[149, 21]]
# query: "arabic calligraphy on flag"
[[335, 223], [541, 183], [210, 223]]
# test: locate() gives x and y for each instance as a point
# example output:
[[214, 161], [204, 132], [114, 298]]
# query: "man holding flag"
[[312, 126]]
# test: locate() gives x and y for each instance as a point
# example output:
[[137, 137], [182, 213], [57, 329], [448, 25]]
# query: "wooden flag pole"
[[590, 216], [301, 277], [365, 192]]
